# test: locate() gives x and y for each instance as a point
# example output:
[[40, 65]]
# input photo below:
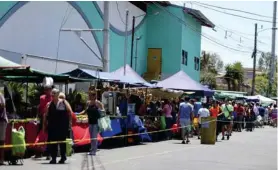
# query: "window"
[[196, 63], [184, 57]]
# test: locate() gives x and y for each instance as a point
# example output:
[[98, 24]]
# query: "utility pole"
[[106, 56], [132, 41], [273, 62], [126, 36], [254, 56]]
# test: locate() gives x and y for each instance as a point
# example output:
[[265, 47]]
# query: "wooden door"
[[154, 60]]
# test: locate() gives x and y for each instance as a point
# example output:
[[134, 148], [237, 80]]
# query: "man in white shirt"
[[203, 112], [256, 109]]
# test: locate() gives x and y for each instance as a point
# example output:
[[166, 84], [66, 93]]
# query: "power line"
[[241, 36], [237, 10], [238, 32], [63, 22], [120, 13], [189, 26], [240, 16]]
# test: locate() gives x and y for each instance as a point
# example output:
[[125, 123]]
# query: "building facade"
[[31, 34]]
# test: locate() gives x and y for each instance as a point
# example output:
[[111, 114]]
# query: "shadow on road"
[[91, 163]]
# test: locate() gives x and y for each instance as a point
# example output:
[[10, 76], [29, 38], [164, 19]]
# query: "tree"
[[234, 76], [238, 74], [261, 85], [208, 79], [211, 64], [264, 65], [264, 62], [229, 75]]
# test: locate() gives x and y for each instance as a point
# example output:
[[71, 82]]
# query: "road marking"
[[143, 156]]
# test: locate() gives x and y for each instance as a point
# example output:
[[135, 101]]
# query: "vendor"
[[3, 126], [78, 106]]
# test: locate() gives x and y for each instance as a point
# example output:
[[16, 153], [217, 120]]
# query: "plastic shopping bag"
[[104, 124], [162, 123], [18, 140], [69, 144]]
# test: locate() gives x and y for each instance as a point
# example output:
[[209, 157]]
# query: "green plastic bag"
[[69, 144], [18, 140], [104, 124], [162, 122]]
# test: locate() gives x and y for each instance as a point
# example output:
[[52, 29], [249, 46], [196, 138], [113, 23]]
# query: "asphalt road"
[[244, 151]]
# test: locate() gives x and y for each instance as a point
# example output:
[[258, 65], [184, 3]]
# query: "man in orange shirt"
[[214, 111]]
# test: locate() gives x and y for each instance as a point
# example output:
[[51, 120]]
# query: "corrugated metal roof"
[[195, 14], [199, 16]]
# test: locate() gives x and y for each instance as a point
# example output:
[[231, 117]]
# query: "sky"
[[242, 37]]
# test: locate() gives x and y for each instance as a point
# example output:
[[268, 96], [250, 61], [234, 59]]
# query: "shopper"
[[44, 100], [215, 112], [167, 111], [202, 113], [57, 121], [185, 119], [227, 109], [93, 109], [239, 121]]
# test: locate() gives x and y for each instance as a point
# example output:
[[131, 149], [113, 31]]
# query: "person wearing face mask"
[[57, 121]]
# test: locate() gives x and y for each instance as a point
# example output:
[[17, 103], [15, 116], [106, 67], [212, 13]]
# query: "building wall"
[[191, 42], [165, 32], [33, 28]]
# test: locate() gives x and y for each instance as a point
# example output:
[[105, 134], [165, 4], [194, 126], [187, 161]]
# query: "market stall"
[[127, 72], [12, 72], [261, 99], [181, 81], [119, 122]]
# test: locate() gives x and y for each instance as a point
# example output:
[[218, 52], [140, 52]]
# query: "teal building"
[[167, 37]]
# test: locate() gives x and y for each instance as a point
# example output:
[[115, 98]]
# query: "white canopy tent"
[[262, 99]]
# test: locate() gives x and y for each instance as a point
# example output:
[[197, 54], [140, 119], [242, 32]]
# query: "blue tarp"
[[181, 81], [134, 122], [116, 128]]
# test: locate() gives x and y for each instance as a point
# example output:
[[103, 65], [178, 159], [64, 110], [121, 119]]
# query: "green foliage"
[[211, 64], [209, 79], [261, 85], [264, 66], [17, 90], [264, 62], [34, 93], [71, 96], [234, 76]]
